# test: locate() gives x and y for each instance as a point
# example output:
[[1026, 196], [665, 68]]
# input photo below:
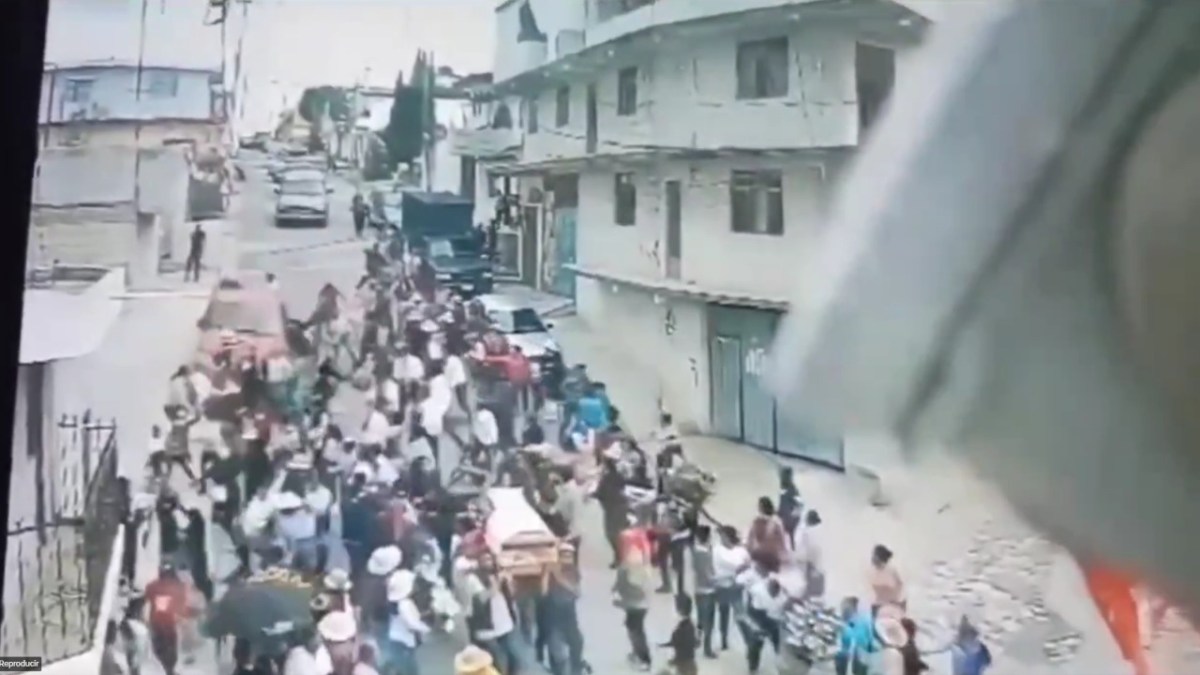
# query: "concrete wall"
[[678, 361], [82, 235], [83, 197], [114, 95], [687, 99], [713, 255], [154, 133], [554, 17]]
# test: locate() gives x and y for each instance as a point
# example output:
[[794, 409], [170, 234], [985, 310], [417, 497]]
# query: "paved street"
[[304, 260]]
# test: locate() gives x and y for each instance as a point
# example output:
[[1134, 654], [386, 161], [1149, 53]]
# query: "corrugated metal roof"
[[684, 289], [57, 325]]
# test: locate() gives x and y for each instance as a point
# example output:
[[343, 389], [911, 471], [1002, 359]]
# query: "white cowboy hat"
[[300, 462], [337, 580], [891, 631], [472, 660], [400, 585], [429, 326], [287, 500], [338, 627], [384, 560]]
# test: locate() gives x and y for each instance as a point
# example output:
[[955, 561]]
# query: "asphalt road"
[[303, 261]]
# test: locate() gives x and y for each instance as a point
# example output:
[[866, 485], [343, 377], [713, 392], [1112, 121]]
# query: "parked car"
[[256, 142], [302, 203], [245, 317], [523, 327]]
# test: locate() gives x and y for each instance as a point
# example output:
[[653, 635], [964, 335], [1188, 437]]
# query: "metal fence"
[[58, 567]]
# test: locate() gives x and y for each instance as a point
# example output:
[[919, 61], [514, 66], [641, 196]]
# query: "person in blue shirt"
[[856, 641], [593, 411]]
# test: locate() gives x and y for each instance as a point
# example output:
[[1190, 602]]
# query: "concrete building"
[[63, 466], [86, 204], [98, 103], [675, 161]]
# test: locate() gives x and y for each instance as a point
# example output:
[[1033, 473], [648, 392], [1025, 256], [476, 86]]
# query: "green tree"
[[405, 133], [315, 100]]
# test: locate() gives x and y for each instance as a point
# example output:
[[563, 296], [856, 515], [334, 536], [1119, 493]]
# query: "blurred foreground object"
[[1013, 271]]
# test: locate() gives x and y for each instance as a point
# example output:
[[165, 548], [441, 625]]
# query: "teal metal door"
[[725, 356], [758, 405], [564, 252]]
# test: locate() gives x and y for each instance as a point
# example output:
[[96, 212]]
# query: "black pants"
[[191, 268], [635, 628], [360, 221], [671, 559], [164, 642], [762, 630], [614, 524]]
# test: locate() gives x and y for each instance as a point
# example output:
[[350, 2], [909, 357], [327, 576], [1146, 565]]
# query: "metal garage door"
[[725, 358], [743, 407]]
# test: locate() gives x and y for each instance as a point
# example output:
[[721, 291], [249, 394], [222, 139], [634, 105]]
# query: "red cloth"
[[1113, 591], [167, 600], [636, 538], [518, 369]]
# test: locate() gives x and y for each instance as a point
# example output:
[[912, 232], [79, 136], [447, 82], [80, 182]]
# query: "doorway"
[[674, 229], [592, 121]]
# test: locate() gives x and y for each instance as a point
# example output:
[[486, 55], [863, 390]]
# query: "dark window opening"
[[562, 106], [762, 69], [503, 118], [627, 91], [528, 31], [875, 77], [756, 202], [531, 115], [624, 199]]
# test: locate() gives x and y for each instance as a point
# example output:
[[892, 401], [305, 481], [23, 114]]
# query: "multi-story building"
[[99, 104], [676, 158]]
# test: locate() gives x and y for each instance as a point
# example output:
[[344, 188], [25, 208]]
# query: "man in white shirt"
[[485, 429], [496, 628], [376, 429], [456, 374], [302, 660]]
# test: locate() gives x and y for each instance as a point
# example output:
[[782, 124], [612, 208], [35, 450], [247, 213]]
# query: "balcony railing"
[[484, 142], [603, 10]]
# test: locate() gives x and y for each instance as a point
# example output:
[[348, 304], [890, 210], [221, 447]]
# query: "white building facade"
[[676, 158]]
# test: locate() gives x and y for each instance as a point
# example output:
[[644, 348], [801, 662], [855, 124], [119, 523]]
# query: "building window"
[[160, 84], [78, 91], [762, 69], [562, 106], [531, 115], [627, 91], [756, 202], [624, 199]]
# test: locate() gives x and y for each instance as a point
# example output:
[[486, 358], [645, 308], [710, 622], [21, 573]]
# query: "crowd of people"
[[391, 554]]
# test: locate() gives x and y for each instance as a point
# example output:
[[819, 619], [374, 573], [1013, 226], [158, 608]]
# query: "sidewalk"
[[958, 544]]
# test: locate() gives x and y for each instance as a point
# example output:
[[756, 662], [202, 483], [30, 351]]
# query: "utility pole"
[[428, 120], [137, 125]]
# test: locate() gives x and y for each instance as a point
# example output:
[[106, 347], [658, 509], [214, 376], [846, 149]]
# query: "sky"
[[288, 44]]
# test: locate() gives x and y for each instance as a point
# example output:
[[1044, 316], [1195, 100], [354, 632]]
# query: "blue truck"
[[439, 225]]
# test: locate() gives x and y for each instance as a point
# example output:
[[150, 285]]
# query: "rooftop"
[[119, 63], [68, 317]]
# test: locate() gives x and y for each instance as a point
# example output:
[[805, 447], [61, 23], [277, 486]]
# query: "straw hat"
[[287, 501], [472, 661], [338, 580], [384, 560], [338, 627], [400, 585], [891, 631]]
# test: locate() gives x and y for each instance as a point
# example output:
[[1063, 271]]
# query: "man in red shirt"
[[166, 602], [520, 373]]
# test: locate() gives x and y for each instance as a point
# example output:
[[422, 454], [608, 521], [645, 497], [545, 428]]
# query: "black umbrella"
[[263, 612]]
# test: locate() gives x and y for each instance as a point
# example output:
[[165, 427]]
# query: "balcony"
[[485, 142]]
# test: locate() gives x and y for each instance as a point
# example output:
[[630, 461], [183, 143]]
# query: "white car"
[[523, 327]]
